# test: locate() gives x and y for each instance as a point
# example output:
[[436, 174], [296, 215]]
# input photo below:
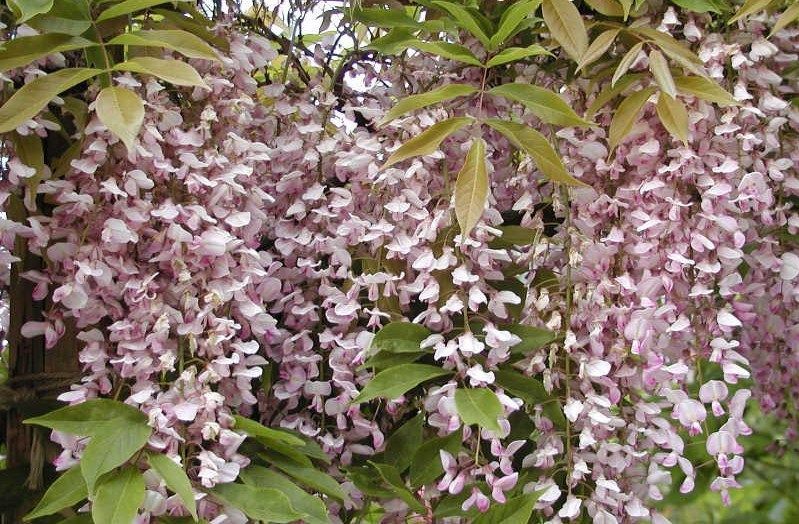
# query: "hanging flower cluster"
[[245, 256]]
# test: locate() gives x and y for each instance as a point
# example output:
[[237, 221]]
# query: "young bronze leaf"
[[537, 146], [130, 7], [627, 6], [750, 7], [705, 89], [660, 70], [566, 25], [27, 9], [610, 92], [626, 116], [428, 141], [122, 112], [626, 62], [471, 187], [673, 49], [598, 47], [606, 7], [544, 104], [178, 40], [173, 71], [789, 16], [673, 116], [414, 102], [25, 49], [31, 98]]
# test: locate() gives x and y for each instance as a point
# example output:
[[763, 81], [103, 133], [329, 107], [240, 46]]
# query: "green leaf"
[[606, 7], [308, 476], [598, 48], [175, 479], [626, 61], [538, 147], [81, 518], [788, 17], [513, 236], [566, 25], [512, 54], [368, 481], [178, 40], [91, 417], [31, 98], [526, 388], [122, 112], [452, 505], [446, 50], [626, 115], [471, 187], [750, 7], [267, 504], [705, 89], [660, 70], [111, 448], [532, 392], [703, 6], [255, 429], [511, 18], [385, 360], [378, 17], [517, 510], [288, 451], [130, 7], [66, 491], [479, 406], [533, 338], [394, 43], [25, 49], [27, 9], [312, 508], [673, 116], [69, 17], [465, 19], [392, 477], [312, 449], [396, 381], [414, 102], [545, 104], [173, 71], [426, 464], [401, 445], [118, 497], [428, 141], [399, 337]]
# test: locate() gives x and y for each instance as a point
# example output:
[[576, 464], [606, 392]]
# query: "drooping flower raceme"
[[250, 239]]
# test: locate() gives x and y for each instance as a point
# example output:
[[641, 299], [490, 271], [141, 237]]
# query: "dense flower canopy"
[[241, 257]]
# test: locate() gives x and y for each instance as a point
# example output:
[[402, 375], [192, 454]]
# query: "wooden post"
[[33, 369]]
